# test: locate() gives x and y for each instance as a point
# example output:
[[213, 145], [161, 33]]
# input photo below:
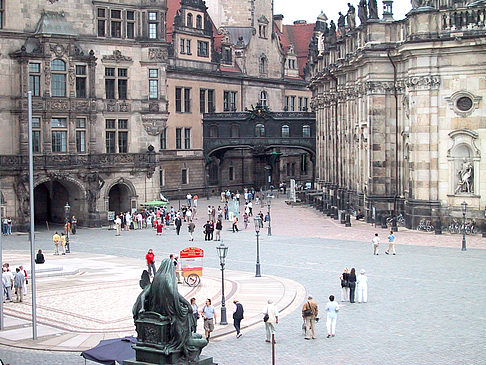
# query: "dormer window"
[[263, 65], [227, 57], [189, 20], [199, 24]]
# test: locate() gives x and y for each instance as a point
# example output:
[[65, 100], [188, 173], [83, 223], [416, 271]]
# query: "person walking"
[[237, 317], [331, 308], [391, 244], [271, 313], [22, 270], [310, 310], [362, 285], [19, 284], [235, 224], [9, 225], [345, 285], [352, 284], [74, 224], [195, 313], [190, 228], [219, 227], [209, 315], [150, 257], [376, 243], [56, 239]]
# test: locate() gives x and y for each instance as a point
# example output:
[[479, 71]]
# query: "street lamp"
[[269, 232], [464, 207], [67, 210], [222, 252], [258, 225]]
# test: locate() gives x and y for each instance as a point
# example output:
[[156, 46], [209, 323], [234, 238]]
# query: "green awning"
[[154, 203]]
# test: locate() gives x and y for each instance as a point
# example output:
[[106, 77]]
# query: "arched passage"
[[51, 196], [119, 198]]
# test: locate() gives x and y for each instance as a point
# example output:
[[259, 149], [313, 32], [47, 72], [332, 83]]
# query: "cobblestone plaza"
[[425, 304]]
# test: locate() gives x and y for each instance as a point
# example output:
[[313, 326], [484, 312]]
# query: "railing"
[[465, 19], [214, 143], [71, 161]]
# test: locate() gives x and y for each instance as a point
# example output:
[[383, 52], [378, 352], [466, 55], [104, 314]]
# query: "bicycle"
[[400, 220], [425, 225]]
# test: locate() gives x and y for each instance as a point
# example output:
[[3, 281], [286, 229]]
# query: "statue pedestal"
[[153, 332]]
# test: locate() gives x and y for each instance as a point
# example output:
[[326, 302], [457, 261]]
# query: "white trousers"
[[362, 295], [331, 326], [269, 329], [345, 294]]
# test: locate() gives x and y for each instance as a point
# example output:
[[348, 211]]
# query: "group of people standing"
[[350, 284], [7, 226], [14, 281]]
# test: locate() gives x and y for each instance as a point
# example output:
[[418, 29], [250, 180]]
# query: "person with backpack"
[[237, 317]]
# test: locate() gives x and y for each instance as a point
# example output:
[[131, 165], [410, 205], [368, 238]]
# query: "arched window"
[[263, 65], [58, 78], [199, 22], [285, 131], [189, 20], [213, 131], [263, 98], [235, 131], [260, 130], [306, 131]]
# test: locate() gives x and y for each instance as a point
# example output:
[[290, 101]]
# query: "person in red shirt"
[[150, 257]]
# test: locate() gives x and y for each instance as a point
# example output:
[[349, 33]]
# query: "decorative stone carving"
[[58, 49], [58, 105], [351, 16], [463, 103], [427, 82], [111, 106], [465, 175], [154, 107], [116, 57], [124, 106], [379, 87], [362, 12], [154, 127], [156, 54]]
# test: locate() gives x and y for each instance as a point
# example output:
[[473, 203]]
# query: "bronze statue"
[[164, 319]]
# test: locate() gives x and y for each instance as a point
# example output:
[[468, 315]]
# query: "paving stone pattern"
[[426, 304]]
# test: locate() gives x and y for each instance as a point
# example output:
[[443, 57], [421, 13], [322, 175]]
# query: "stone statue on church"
[[351, 16], [164, 321], [372, 9], [465, 175], [362, 12], [341, 24]]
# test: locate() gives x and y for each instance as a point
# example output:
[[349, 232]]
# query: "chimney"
[[278, 18], [300, 22], [387, 9]]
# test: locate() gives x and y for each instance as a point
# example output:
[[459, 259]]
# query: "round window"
[[464, 103]]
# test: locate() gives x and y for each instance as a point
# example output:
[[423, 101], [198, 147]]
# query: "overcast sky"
[[309, 9]]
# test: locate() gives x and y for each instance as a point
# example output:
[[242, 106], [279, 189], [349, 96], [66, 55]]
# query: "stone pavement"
[[76, 307], [426, 305]]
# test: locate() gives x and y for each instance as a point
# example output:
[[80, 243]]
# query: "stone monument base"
[[203, 360]]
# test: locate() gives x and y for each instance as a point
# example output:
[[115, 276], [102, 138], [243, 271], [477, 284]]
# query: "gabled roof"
[[53, 23], [172, 7], [299, 35]]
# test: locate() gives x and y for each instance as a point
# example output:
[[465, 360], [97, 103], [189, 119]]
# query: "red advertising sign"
[[191, 252]]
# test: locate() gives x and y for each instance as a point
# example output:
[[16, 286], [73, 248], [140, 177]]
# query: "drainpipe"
[[397, 185]]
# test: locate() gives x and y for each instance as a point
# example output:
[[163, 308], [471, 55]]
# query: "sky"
[[310, 9]]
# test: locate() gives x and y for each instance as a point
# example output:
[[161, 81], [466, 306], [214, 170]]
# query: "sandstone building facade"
[[119, 90], [401, 118]]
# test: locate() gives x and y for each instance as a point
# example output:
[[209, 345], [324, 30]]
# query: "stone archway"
[[119, 198], [51, 196]]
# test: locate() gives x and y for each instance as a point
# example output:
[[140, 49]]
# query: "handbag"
[[308, 312], [265, 317], [345, 283]]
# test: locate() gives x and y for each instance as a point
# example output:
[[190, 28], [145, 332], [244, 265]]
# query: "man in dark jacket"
[[178, 224], [237, 317]]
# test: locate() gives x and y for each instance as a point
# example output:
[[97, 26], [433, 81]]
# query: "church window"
[[260, 130]]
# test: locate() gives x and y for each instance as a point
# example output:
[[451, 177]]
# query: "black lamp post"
[[258, 225], [269, 232], [222, 251], [67, 211], [464, 207], [179, 189], [348, 214]]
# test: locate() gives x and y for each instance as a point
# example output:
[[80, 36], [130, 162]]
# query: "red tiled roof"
[[172, 7], [299, 35]]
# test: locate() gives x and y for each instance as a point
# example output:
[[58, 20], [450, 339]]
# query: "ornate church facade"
[[400, 109], [119, 91]]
